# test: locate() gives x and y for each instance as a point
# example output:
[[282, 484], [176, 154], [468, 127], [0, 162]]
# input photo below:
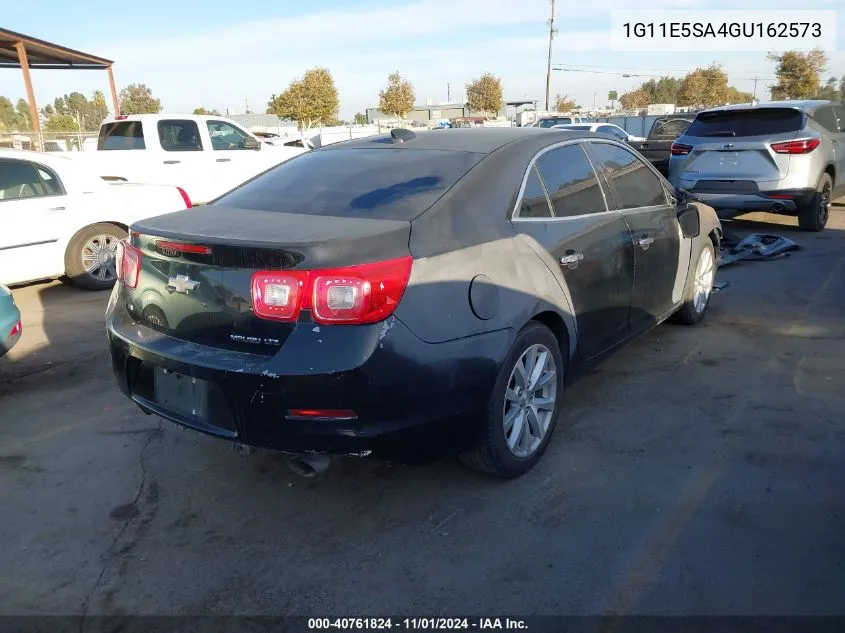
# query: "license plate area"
[[181, 393]]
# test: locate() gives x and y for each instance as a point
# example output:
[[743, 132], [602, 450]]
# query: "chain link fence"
[[49, 141]]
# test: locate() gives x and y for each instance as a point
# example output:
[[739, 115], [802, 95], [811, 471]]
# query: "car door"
[[32, 206], [185, 163], [640, 195], [235, 157], [563, 208]]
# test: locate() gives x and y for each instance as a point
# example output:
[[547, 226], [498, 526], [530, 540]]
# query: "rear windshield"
[[552, 122], [670, 128], [121, 135], [395, 184], [760, 122]]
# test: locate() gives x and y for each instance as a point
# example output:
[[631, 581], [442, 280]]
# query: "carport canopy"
[[24, 52]]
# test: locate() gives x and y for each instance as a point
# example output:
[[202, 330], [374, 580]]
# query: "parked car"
[[551, 121], [786, 157], [435, 294], [63, 220], [10, 321], [602, 128], [205, 155], [657, 147]]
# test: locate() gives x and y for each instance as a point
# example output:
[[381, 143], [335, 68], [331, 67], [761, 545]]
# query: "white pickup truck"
[[204, 155]]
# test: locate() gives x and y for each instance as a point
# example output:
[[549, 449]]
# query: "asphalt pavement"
[[699, 471]]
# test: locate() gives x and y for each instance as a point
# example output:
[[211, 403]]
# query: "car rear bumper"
[[411, 399], [9, 343], [785, 201]]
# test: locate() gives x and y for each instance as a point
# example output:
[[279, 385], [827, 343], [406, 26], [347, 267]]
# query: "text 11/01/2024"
[[735, 31]]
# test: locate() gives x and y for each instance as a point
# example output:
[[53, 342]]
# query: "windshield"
[[396, 184], [552, 122]]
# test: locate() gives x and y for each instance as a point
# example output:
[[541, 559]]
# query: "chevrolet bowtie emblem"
[[728, 146], [182, 284]]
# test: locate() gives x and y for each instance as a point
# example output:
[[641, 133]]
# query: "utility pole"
[[552, 32], [754, 95], [448, 92]]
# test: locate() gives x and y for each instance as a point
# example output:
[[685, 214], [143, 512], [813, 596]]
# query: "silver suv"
[[786, 157]]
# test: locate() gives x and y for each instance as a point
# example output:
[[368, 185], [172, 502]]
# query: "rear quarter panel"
[[468, 234]]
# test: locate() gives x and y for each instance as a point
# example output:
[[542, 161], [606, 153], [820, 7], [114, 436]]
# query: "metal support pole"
[[115, 102], [30, 93]]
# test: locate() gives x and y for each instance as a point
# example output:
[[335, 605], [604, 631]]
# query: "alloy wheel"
[[530, 398], [824, 204], [705, 271]]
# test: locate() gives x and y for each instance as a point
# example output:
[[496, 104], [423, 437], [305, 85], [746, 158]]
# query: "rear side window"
[[121, 135], [534, 203], [634, 184], [178, 135], [571, 182], [759, 122], [669, 128], [19, 179], [613, 131], [393, 184]]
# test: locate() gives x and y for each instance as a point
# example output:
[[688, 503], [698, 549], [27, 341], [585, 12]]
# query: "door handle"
[[223, 160], [172, 162], [56, 209], [645, 242], [571, 259]]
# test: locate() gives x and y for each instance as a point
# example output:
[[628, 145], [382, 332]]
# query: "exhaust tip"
[[777, 207], [309, 465]]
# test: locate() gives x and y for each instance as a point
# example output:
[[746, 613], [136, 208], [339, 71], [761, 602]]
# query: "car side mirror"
[[252, 143], [689, 220]]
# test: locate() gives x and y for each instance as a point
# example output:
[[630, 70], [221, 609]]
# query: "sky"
[[230, 55]]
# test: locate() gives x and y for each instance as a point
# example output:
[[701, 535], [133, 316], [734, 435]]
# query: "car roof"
[[51, 159], [475, 140], [798, 104]]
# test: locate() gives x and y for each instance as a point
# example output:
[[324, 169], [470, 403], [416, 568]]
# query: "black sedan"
[[407, 294]]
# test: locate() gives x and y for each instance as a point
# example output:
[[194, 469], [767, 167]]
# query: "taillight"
[[17, 328], [185, 197], [180, 247], [801, 146], [679, 149], [321, 414], [366, 293], [128, 261], [278, 294]]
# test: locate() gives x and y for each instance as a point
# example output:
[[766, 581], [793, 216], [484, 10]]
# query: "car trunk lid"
[[195, 280]]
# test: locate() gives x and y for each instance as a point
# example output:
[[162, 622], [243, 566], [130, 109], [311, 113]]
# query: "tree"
[[563, 103], [47, 111], [360, 119], [613, 97], [732, 95], [62, 123], [798, 74], [485, 94], [97, 111], [663, 90], [830, 90], [704, 87], [635, 99], [138, 99], [202, 110], [398, 97], [24, 117], [842, 89], [8, 116], [310, 101]]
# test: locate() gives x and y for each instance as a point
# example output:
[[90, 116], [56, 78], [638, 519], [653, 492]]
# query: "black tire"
[[814, 215], [689, 314], [492, 455], [74, 266]]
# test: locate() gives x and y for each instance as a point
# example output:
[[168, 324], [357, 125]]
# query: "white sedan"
[[60, 219], [602, 128]]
